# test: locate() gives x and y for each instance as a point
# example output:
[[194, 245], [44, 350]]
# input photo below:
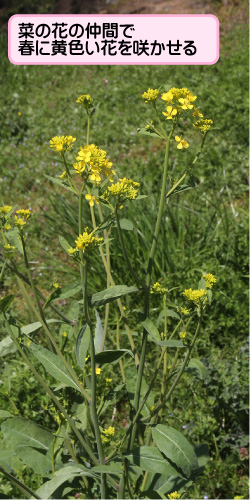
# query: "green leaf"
[[106, 224], [109, 469], [18, 431], [5, 302], [35, 459], [5, 456], [61, 182], [180, 188], [126, 224], [196, 367], [176, 448], [7, 346], [82, 345], [171, 343], [5, 414], [111, 293], [14, 239], [64, 244], [60, 477], [54, 365], [65, 292], [33, 327], [148, 132], [151, 329], [99, 333], [140, 197], [172, 314], [149, 458], [111, 356]]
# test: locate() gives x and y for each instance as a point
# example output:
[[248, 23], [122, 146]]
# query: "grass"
[[206, 229]]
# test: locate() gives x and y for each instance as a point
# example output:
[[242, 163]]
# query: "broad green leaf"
[[82, 345], [35, 459], [33, 327], [202, 453], [196, 367], [109, 469], [54, 365], [151, 329], [61, 182], [60, 477], [149, 458], [7, 346], [5, 302], [5, 414], [202, 284], [5, 457], [172, 343], [111, 356], [111, 293], [176, 448], [18, 431], [99, 333], [66, 291], [148, 132], [64, 244], [172, 314], [126, 224], [14, 239]]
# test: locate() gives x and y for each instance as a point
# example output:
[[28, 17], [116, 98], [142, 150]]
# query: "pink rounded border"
[[115, 63]]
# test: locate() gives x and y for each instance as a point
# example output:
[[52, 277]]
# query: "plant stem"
[[118, 300], [124, 251], [22, 487], [40, 315]]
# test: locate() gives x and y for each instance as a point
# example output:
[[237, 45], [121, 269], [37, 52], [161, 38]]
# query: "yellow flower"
[[203, 125], [171, 112], [7, 227], [174, 495], [85, 100], [95, 161], [86, 240], [64, 175], [195, 296], [26, 213], [175, 94], [239, 497], [183, 335], [125, 189], [19, 221], [182, 142], [64, 334], [62, 143], [91, 199], [19, 113], [185, 102], [9, 247], [197, 113], [210, 280], [5, 210], [158, 288], [108, 381], [98, 371], [71, 250], [167, 96], [150, 95], [184, 310]]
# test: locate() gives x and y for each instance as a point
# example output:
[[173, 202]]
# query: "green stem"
[[124, 251], [22, 487], [71, 182], [41, 317], [186, 360], [2, 270], [159, 120]]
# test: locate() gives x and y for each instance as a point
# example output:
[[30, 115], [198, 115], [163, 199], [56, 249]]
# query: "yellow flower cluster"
[[183, 335], [98, 371], [5, 210], [178, 100], [9, 247], [184, 310], [125, 189], [158, 288], [210, 280], [86, 241], [85, 100], [62, 143], [107, 434], [94, 160], [195, 296], [150, 95], [203, 125], [182, 143], [174, 495], [25, 215]]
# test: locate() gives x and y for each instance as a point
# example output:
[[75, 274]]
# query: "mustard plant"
[[148, 458]]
